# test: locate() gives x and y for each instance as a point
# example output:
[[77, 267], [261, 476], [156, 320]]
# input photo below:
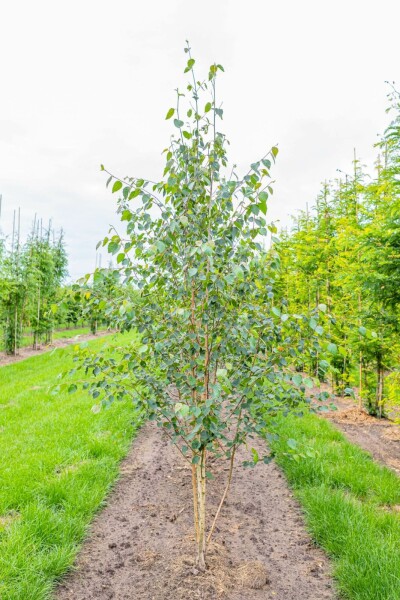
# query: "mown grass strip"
[[58, 460], [350, 504]]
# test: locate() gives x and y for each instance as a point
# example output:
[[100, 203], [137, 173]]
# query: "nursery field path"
[[140, 547], [28, 351], [380, 437]]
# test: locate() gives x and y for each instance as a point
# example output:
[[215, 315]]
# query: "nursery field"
[[235, 342], [58, 460]]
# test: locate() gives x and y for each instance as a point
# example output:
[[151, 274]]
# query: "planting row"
[[344, 255]]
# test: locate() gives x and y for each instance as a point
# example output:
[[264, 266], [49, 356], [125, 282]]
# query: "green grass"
[[58, 460], [347, 499], [66, 334]]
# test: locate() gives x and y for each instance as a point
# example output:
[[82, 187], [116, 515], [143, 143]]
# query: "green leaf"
[[292, 444], [207, 107], [308, 382], [190, 64], [117, 186], [297, 379], [182, 409], [178, 123], [332, 348], [262, 204], [170, 113], [160, 246], [112, 248], [255, 455]]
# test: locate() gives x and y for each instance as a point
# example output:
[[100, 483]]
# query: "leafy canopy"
[[216, 349]]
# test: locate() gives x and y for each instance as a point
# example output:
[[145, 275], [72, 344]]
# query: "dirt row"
[[28, 351], [141, 545], [379, 437]]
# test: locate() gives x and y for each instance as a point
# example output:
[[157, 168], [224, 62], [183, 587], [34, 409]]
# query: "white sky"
[[89, 82]]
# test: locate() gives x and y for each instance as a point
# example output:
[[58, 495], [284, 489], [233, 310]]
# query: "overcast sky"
[[88, 82]]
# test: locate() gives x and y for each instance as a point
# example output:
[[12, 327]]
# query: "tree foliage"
[[31, 274], [345, 253], [217, 348]]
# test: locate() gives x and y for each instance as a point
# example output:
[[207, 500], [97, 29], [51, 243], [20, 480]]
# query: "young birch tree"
[[215, 351]]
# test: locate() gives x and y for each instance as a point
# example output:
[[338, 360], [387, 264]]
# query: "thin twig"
[[224, 494]]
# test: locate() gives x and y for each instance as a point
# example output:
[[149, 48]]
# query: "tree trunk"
[[15, 331], [200, 508], [360, 371], [379, 388]]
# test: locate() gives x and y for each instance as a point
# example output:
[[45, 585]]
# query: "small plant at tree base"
[[215, 352]]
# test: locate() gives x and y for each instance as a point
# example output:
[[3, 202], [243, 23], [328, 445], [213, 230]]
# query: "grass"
[[58, 460], [350, 505]]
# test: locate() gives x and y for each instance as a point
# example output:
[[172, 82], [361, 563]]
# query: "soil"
[[141, 545], [28, 352], [379, 437]]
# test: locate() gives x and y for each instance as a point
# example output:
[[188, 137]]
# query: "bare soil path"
[[28, 351], [380, 437], [141, 545]]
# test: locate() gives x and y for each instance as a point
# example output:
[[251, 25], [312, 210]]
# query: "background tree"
[[345, 253], [31, 275]]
